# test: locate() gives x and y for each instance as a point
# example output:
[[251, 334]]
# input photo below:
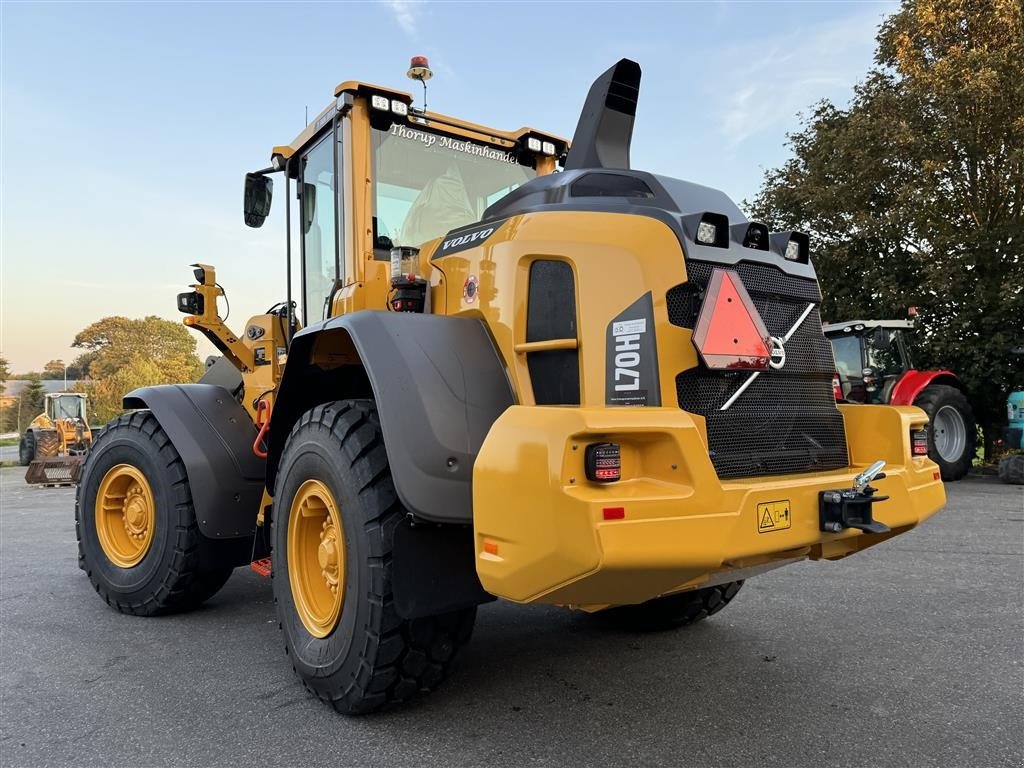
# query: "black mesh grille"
[[786, 421]]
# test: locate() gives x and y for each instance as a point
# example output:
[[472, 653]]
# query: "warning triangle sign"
[[729, 332], [766, 520]]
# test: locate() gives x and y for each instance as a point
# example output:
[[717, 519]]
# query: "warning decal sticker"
[[773, 516]]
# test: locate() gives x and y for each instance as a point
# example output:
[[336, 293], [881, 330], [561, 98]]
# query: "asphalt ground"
[[909, 654]]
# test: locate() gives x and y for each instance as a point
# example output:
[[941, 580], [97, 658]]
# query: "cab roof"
[[436, 120]]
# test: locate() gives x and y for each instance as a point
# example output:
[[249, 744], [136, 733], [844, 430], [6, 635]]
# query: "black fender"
[[439, 385], [214, 436]]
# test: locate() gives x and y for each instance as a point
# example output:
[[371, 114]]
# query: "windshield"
[[427, 184], [69, 408]]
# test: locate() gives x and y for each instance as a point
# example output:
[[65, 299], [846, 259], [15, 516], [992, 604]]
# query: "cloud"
[[793, 72], [407, 14]]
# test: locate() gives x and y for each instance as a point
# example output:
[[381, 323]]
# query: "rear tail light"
[[919, 441], [603, 462]]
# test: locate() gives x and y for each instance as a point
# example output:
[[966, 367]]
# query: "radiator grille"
[[786, 421]]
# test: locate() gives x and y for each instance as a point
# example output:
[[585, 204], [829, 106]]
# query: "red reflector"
[[261, 566], [936, 475], [491, 547], [614, 513], [729, 331], [603, 462]]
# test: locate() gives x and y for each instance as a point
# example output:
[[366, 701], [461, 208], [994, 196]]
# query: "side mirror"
[[882, 340], [259, 190]]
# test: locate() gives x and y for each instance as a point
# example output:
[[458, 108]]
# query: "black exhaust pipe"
[[605, 129]]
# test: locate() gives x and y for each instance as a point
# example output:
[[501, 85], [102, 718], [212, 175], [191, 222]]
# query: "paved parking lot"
[[909, 654]]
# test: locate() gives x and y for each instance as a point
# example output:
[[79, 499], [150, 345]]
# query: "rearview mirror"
[[882, 340], [259, 190]]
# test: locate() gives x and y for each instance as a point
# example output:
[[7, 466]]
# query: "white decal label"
[[624, 327]]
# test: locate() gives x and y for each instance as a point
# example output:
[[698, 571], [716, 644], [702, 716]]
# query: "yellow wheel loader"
[[511, 368], [54, 445]]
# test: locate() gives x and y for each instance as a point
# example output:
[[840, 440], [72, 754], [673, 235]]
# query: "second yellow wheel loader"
[[512, 369], [54, 445]]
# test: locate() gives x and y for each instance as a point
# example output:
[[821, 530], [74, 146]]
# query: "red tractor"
[[873, 366]]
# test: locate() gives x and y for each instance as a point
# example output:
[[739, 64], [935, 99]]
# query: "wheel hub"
[[316, 557], [950, 433], [125, 515]]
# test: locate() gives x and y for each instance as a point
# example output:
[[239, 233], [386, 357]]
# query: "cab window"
[[848, 365], [319, 232]]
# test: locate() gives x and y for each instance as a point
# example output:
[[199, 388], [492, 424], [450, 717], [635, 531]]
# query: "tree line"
[[119, 354], [913, 194]]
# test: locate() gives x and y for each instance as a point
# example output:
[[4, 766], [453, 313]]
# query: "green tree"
[[115, 342], [54, 369], [914, 194], [123, 354], [31, 402], [105, 394]]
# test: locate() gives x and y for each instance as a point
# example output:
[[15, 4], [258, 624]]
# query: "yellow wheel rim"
[[316, 558], [125, 515]]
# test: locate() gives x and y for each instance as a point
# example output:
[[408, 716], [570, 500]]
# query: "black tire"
[[182, 568], [47, 443], [27, 448], [1011, 469], [931, 400], [372, 659], [673, 611]]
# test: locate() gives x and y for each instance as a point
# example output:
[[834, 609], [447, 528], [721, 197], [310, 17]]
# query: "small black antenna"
[[419, 69], [307, 116]]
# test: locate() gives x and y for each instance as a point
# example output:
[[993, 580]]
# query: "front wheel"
[[27, 448], [334, 519], [953, 435], [138, 538]]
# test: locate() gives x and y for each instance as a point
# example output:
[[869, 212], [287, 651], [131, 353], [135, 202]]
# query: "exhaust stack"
[[605, 129]]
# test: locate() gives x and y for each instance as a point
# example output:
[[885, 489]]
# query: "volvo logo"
[[778, 354]]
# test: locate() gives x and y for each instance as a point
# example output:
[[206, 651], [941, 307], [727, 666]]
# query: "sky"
[[126, 128]]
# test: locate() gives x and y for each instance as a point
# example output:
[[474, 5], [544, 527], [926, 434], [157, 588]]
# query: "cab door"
[[321, 265]]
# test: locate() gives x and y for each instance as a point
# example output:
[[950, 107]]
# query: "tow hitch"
[[851, 508]]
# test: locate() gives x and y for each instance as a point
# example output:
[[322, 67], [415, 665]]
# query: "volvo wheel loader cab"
[[53, 446], [602, 388], [873, 365]]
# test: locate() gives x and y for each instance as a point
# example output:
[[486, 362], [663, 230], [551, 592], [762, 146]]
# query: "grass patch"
[[9, 440], [5, 464]]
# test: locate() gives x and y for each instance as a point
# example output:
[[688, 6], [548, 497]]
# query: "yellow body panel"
[[682, 525]]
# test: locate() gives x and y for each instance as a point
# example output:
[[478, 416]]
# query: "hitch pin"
[[864, 478]]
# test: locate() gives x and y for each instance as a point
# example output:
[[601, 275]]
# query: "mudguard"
[[214, 436], [439, 384], [913, 382]]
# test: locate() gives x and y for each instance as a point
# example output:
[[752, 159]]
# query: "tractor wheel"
[[47, 443], [952, 434], [673, 611], [334, 518], [1011, 469], [27, 448], [138, 538]]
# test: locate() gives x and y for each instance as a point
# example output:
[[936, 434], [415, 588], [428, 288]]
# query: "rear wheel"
[[1011, 469], [335, 514], [952, 435], [27, 448], [673, 611], [138, 538]]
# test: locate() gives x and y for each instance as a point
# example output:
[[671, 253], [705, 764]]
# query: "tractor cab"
[[871, 357], [65, 405]]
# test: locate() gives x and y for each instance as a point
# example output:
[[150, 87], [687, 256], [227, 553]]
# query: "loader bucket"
[[54, 470]]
